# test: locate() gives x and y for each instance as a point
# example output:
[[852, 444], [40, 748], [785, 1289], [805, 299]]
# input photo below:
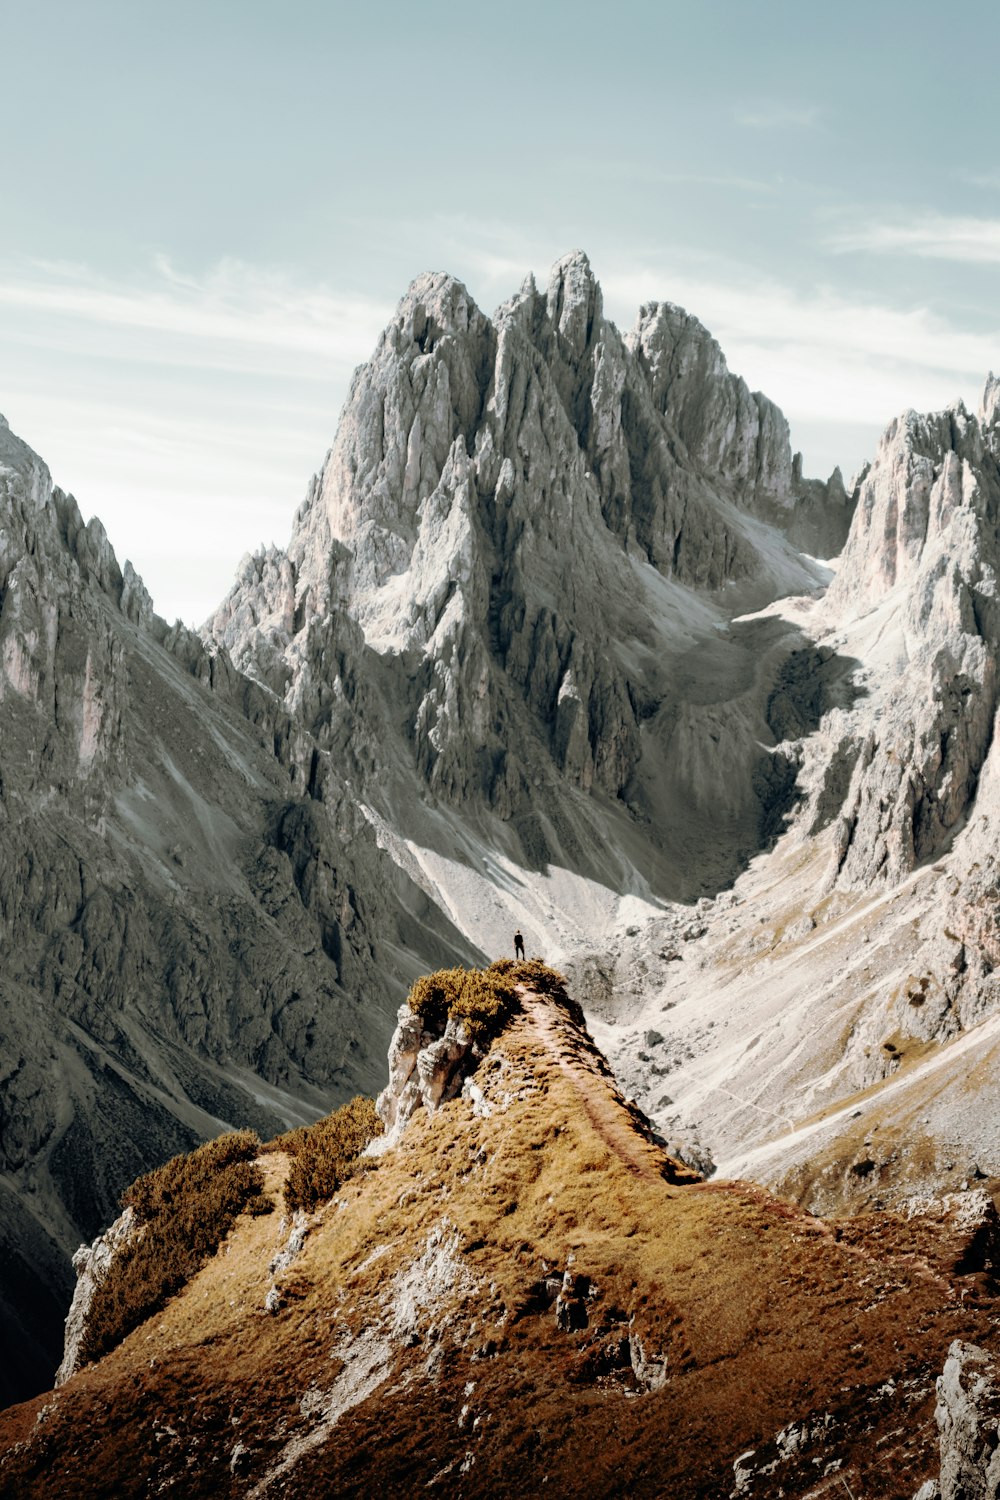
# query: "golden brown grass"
[[483, 1000], [183, 1211], [326, 1154], [759, 1314]]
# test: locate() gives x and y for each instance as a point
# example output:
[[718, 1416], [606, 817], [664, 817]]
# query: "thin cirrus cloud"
[[931, 237], [233, 312], [820, 354], [188, 405]]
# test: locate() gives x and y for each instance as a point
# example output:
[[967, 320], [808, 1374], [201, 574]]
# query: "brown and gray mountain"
[[513, 580], [523, 1294], [547, 647], [197, 926]]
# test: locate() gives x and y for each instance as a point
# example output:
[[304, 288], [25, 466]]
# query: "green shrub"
[[324, 1155], [183, 1212]]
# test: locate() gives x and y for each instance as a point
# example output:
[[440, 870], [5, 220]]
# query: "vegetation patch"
[[326, 1154], [183, 1211], [433, 996], [484, 1000]]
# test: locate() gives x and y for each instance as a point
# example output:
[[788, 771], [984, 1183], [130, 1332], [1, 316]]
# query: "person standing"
[[518, 944]]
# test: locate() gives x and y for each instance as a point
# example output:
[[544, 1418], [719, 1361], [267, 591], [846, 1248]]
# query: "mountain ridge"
[[521, 1291], [543, 650]]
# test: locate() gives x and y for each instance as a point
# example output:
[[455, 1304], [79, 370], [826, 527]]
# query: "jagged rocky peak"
[[451, 397], [917, 584], [924, 481], [492, 488], [728, 430], [989, 407]]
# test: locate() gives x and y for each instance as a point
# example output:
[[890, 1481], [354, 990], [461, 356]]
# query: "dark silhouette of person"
[[518, 944]]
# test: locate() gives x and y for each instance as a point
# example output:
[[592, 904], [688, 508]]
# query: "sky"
[[211, 209]]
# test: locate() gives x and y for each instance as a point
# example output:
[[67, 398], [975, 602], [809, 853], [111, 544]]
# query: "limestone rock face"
[[729, 431], [91, 1264], [424, 1069], [513, 539], [189, 903], [922, 558], [968, 1420]]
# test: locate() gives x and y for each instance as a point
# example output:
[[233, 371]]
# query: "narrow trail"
[[618, 1123], [622, 1129]]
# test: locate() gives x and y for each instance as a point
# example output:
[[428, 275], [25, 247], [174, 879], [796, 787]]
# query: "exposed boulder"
[[91, 1264], [424, 1069], [968, 1421]]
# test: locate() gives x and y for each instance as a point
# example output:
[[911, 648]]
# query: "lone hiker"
[[518, 944]]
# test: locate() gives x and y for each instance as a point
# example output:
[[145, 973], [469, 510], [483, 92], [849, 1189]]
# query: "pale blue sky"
[[211, 209]]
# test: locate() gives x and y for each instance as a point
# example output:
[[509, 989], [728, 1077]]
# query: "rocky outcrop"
[[424, 1069], [921, 561], [968, 1421], [493, 582], [91, 1264]]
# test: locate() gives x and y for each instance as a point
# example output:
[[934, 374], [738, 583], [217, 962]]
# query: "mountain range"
[[562, 639]]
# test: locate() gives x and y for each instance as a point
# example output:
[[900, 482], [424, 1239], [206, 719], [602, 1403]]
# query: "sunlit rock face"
[[525, 522], [923, 551]]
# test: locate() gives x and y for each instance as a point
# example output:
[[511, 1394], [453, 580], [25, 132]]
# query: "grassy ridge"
[[483, 1000], [184, 1209]]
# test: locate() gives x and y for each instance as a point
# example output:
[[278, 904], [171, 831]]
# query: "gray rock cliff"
[[920, 566], [194, 932], [523, 527]]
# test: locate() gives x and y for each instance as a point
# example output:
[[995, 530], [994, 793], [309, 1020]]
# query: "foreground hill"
[[522, 1291]]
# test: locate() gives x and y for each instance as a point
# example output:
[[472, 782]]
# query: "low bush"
[[183, 1212], [484, 1005], [433, 996], [534, 974], [324, 1155], [482, 999]]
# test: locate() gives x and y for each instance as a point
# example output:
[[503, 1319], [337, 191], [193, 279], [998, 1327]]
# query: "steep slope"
[[542, 651], [847, 985], [196, 925], [518, 1294], [500, 590]]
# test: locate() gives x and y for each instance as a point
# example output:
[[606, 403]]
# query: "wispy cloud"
[[930, 237], [821, 354], [233, 310], [989, 179], [621, 169], [773, 114], [203, 398]]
